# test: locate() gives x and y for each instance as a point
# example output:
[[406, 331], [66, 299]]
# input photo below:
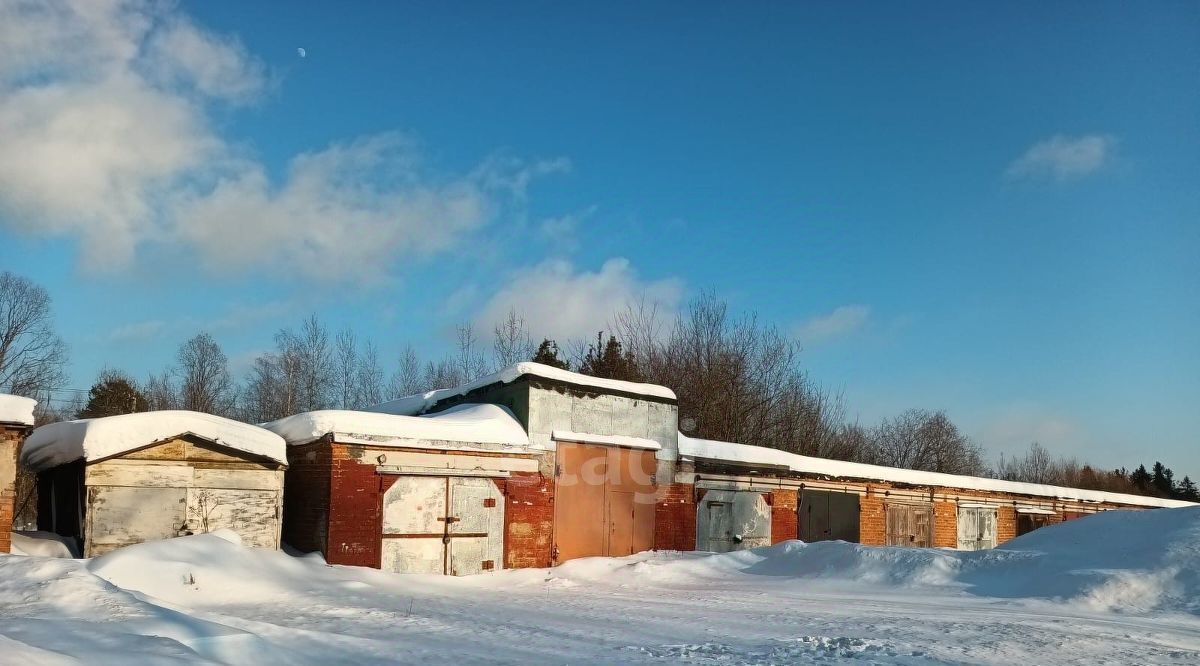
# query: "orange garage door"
[[603, 501]]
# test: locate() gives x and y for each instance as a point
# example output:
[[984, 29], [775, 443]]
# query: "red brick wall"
[[354, 512], [306, 496], [675, 517], [528, 520], [10, 443], [1006, 524], [945, 525], [872, 526], [785, 521]]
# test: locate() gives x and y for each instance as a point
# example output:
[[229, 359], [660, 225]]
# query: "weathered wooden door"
[[253, 514], [603, 501], [909, 525], [976, 528], [121, 516], [437, 524], [828, 516]]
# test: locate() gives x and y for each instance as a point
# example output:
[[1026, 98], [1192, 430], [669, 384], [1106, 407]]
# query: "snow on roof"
[[15, 409], [606, 440], [95, 439], [690, 447], [415, 404], [469, 423]]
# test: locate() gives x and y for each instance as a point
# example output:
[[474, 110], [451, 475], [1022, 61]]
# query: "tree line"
[[737, 379]]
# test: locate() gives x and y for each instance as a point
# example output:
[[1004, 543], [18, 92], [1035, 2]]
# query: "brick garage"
[[945, 504], [16, 419], [358, 489]]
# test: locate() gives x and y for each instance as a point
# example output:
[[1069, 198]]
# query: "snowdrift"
[[1127, 561]]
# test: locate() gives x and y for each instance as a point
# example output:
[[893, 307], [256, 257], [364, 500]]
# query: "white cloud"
[[562, 232], [843, 321], [106, 135], [559, 302], [1063, 157], [136, 332], [332, 215]]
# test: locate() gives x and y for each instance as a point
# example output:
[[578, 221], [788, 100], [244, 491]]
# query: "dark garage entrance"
[[828, 516]]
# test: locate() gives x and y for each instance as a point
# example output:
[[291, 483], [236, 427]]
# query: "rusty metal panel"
[[121, 516], [909, 525], [976, 528], [728, 520]]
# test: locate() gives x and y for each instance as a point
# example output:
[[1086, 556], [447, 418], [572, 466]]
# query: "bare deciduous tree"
[[160, 392], [32, 356], [407, 380], [345, 359], [469, 360], [368, 378], [736, 380], [512, 343], [1039, 466], [929, 441], [205, 384]]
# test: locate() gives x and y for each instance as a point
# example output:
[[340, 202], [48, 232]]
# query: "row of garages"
[[729, 520], [531, 467]]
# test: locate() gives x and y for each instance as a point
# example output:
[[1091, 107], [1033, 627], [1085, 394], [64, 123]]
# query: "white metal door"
[[976, 528], [414, 511], [720, 526], [475, 526], [438, 524]]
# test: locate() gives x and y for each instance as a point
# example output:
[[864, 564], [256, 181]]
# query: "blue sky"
[[992, 210]]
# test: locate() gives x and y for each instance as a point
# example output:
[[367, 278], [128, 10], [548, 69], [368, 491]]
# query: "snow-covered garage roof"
[[95, 439], [690, 447], [467, 424], [15, 409], [416, 404]]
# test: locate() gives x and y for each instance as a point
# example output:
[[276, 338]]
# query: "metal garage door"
[[910, 525], [437, 524], [603, 501], [976, 527], [728, 520], [828, 516]]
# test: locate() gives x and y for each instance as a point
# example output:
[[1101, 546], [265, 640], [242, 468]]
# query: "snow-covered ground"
[[1117, 588]]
